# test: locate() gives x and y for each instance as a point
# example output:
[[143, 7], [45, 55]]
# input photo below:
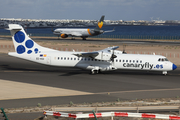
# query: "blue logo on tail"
[[19, 38]]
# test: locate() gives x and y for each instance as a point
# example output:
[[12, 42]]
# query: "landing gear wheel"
[[164, 72], [93, 72]]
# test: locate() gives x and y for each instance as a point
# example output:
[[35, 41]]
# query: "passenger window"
[[126, 60], [65, 58], [133, 61], [58, 58], [140, 61], [129, 60], [123, 60], [71, 58], [74, 58], [137, 61], [61, 58], [119, 60]]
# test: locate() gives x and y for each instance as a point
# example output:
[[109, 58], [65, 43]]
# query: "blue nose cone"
[[174, 66]]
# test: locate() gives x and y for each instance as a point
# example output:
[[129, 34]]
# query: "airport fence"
[[104, 36], [145, 37]]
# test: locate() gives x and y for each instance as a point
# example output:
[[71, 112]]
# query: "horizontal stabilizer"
[[14, 27]]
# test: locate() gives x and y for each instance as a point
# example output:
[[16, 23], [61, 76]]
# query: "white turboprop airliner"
[[83, 33], [107, 59]]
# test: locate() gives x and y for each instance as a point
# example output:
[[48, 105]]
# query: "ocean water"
[[156, 32]]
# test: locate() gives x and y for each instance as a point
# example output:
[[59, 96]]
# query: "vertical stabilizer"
[[100, 23], [22, 43]]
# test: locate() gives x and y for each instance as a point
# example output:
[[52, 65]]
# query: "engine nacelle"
[[108, 68], [102, 68], [104, 56], [64, 35]]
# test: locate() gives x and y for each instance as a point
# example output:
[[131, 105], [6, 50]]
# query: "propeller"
[[124, 47], [113, 56]]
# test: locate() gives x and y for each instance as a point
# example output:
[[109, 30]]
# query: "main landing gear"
[[93, 72], [164, 72], [72, 38]]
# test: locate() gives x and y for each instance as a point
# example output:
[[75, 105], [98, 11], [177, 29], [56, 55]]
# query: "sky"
[[91, 9]]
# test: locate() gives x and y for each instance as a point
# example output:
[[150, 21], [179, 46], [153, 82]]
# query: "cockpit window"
[[166, 59], [163, 59]]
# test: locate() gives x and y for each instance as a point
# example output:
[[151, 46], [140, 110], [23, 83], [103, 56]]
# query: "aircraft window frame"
[[58, 58], [74, 58], [64, 58], [123, 60], [68, 58], [133, 61], [126, 60], [71, 58], [137, 61], [119, 60], [61, 58], [130, 61], [116, 60], [140, 61]]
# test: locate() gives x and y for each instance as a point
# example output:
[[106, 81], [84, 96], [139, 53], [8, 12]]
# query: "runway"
[[105, 40], [49, 84]]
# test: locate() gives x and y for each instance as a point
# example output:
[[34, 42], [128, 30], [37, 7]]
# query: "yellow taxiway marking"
[[19, 90]]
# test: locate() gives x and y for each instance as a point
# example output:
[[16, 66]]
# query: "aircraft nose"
[[174, 66]]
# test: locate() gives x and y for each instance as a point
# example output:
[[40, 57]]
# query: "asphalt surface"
[[112, 41], [109, 41], [125, 85]]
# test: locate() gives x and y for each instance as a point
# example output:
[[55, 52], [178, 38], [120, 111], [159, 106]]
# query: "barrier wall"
[[112, 114]]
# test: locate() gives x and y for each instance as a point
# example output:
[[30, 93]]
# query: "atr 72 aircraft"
[[108, 59], [83, 33]]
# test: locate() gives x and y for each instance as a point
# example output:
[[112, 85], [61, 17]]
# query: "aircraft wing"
[[87, 54], [96, 53], [109, 31], [110, 48]]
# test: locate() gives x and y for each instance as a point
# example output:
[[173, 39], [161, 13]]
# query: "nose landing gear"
[[164, 72]]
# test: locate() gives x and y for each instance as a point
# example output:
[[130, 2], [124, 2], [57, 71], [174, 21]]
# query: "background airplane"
[[108, 59], [83, 33]]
